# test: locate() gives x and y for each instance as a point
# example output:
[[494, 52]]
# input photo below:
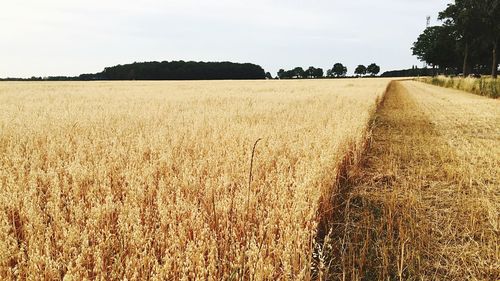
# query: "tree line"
[[466, 42], [412, 72], [179, 70], [175, 70], [338, 70]]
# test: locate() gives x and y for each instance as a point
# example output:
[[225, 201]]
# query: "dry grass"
[[138, 180], [426, 203], [480, 86]]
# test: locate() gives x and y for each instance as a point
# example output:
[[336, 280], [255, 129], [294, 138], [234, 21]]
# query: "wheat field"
[[153, 180]]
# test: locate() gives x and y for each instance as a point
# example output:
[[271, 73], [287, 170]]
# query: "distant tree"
[[373, 69], [281, 74], [360, 70], [319, 73], [329, 73], [310, 72], [313, 72], [131, 74], [299, 72], [268, 75], [339, 70]]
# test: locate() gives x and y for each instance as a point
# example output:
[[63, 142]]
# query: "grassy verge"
[[480, 86]]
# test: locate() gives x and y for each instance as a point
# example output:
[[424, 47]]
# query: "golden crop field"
[[137, 180]]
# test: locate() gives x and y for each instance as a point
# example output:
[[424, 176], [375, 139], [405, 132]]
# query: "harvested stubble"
[[136, 180], [426, 203]]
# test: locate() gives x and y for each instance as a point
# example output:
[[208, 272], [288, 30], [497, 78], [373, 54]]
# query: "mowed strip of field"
[[425, 205], [138, 180]]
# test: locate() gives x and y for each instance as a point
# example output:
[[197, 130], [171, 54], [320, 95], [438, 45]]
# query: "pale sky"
[[70, 37]]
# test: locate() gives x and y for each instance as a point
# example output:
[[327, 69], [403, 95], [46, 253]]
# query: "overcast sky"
[[70, 37]]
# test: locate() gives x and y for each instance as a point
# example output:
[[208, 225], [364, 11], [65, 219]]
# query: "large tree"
[[437, 47], [469, 38], [465, 17], [281, 74], [313, 72], [360, 70], [298, 72], [373, 69], [490, 10], [319, 73], [339, 70]]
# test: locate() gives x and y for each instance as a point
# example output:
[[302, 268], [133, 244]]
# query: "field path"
[[426, 202]]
